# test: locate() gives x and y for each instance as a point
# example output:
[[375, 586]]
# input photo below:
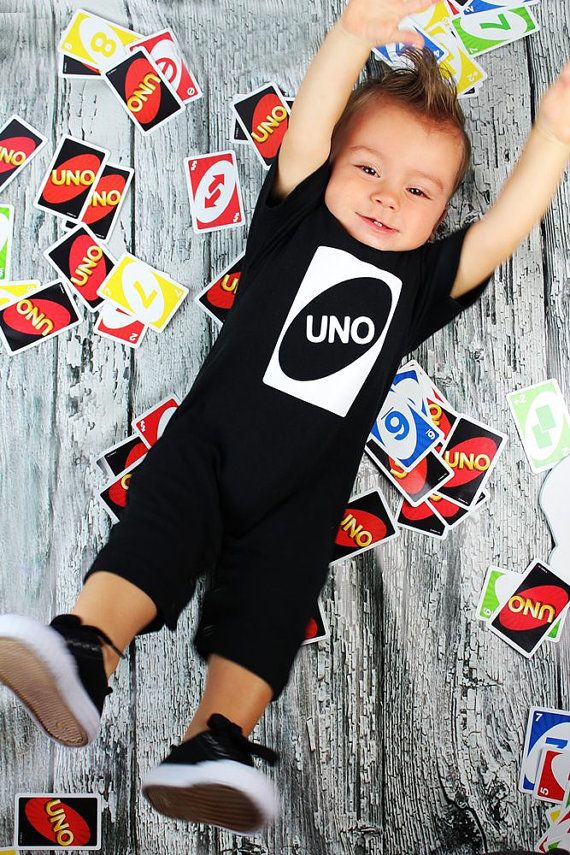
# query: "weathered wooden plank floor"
[[405, 728]]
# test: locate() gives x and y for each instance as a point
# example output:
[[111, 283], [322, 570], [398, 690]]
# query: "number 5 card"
[[142, 291]]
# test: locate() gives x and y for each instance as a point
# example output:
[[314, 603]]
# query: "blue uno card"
[[546, 728], [407, 383], [391, 53], [492, 5], [403, 432]]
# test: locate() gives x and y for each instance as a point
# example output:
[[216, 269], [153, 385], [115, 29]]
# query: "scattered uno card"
[[484, 29], [553, 775], [43, 315], [546, 728], [543, 423], [106, 200], [214, 190], [392, 53], [452, 513], [145, 94], [46, 821], [73, 172], [403, 431], [239, 135], [11, 292], [68, 66], [264, 118], [429, 390], [317, 629], [121, 456], [114, 494], [117, 325], [420, 482], [422, 518], [540, 598], [142, 291], [83, 263], [472, 450], [95, 41], [218, 297], [6, 235], [164, 50], [19, 143], [366, 522], [151, 425], [498, 587]]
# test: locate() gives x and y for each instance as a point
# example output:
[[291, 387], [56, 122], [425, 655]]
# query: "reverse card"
[[80, 259], [420, 482], [164, 50], [37, 318], [19, 143], [472, 450], [422, 518], [542, 421], [540, 598], [366, 522], [6, 235], [96, 41], [106, 200], [121, 456], [218, 297], [546, 728], [145, 94], [403, 431], [54, 821], [264, 118], [214, 190], [114, 494], [117, 325], [151, 425], [11, 292], [147, 294], [552, 775], [317, 629], [73, 172]]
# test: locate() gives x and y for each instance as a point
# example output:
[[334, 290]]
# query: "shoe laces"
[[220, 724]]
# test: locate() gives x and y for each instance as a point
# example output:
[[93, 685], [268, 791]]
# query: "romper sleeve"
[[434, 307]]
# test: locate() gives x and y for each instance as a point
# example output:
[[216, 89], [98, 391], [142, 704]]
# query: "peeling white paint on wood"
[[405, 728]]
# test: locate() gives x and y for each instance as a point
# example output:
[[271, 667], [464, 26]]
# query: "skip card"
[[165, 51]]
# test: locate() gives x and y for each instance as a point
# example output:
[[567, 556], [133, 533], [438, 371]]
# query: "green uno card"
[[481, 31], [498, 586], [543, 423], [6, 229]]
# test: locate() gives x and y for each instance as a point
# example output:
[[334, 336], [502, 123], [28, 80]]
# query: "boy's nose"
[[388, 196]]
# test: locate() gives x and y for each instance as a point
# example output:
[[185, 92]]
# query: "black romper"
[[251, 475]]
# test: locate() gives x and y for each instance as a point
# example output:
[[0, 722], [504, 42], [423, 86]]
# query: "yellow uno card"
[[96, 41], [466, 72], [437, 14], [11, 292], [143, 292]]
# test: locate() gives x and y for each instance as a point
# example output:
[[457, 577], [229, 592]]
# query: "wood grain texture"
[[404, 729]]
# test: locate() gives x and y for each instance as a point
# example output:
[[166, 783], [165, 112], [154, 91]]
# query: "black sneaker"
[[57, 672], [211, 778]]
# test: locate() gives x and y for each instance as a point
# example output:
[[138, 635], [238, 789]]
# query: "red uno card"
[[451, 512], [215, 193], [239, 135], [553, 775], [117, 325], [421, 480], [152, 424], [106, 199], [83, 262], [422, 518], [142, 90], [121, 456], [264, 118], [114, 494], [58, 821], [19, 143], [39, 317], [472, 450], [218, 297], [71, 176], [365, 523], [165, 51], [317, 627]]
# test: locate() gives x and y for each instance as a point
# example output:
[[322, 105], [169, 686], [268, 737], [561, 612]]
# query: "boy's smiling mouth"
[[378, 225]]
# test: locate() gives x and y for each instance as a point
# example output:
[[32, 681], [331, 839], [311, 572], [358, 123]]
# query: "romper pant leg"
[[170, 532], [266, 587]]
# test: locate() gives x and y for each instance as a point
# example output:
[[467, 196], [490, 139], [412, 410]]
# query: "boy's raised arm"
[[330, 78]]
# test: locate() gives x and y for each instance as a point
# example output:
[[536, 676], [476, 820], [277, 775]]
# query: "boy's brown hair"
[[425, 88]]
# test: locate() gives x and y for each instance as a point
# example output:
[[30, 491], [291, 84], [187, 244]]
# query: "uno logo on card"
[[415, 479], [118, 491], [311, 629], [106, 195], [269, 123], [57, 822], [87, 265], [470, 458], [222, 293], [439, 417], [14, 151], [71, 178], [533, 608], [361, 528], [143, 92], [36, 316]]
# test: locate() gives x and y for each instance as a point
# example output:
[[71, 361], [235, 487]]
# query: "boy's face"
[[380, 174]]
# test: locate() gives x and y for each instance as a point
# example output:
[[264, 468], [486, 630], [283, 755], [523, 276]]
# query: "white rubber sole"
[[223, 793], [37, 667]]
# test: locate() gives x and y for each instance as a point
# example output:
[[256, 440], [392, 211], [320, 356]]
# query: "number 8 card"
[[94, 40]]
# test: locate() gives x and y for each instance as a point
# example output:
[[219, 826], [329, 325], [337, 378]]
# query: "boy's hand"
[[375, 22], [554, 111]]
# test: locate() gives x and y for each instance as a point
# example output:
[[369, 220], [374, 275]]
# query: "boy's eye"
[[421, 192], [371, 168], [413, 190]]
